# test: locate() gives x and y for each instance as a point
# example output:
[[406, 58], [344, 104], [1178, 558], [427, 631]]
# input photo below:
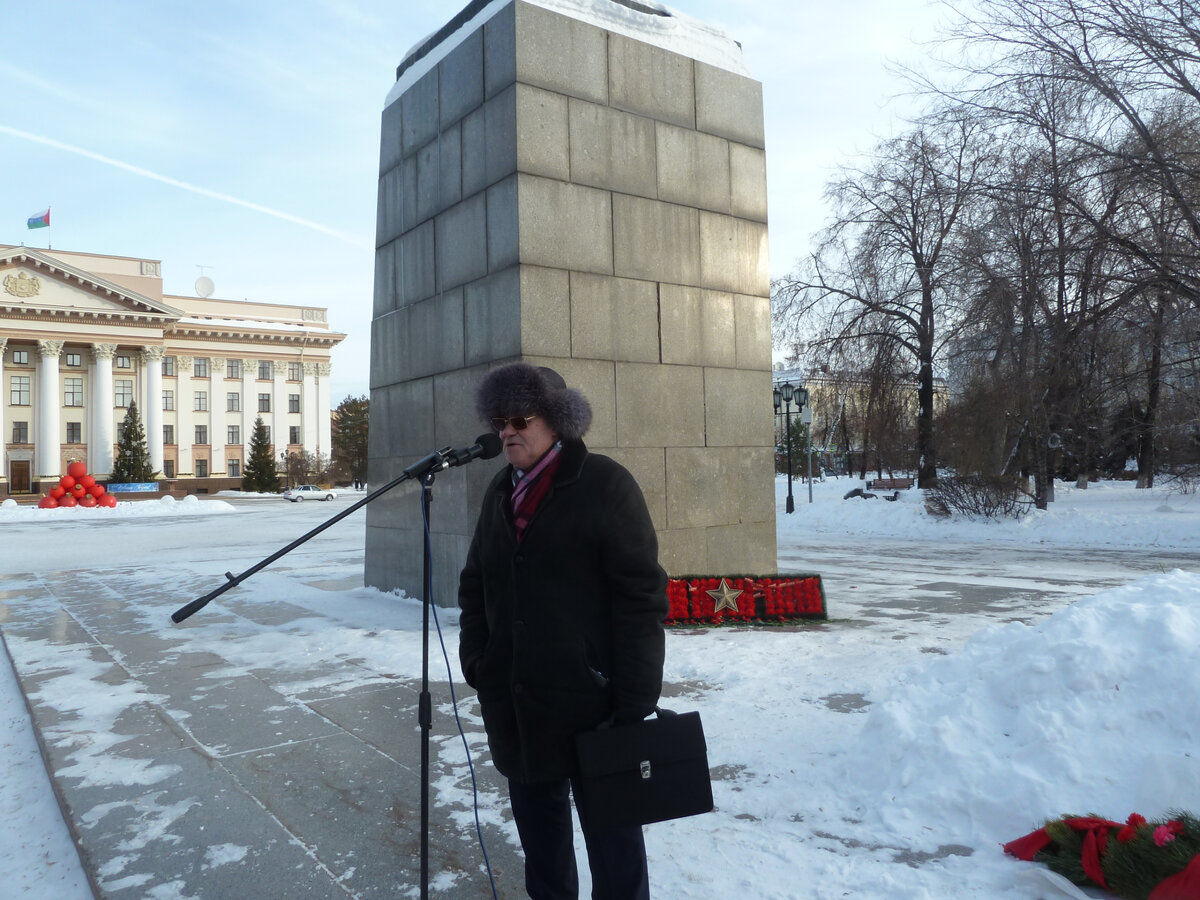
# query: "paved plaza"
[[186, 771], [316, 793]]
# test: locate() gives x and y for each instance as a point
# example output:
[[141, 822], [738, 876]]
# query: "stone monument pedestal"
[[582, 187]]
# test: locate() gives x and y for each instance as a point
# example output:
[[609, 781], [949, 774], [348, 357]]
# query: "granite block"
[[614, 318], [651, 81]]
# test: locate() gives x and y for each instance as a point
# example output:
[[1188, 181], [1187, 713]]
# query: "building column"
[[4, 435], [324, 439], [152, 364], [185, 431], [249, 407], [309, 409], [101, 440], [216, 417], [48, 452], [279, 413]]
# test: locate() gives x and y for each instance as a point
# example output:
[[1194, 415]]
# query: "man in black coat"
[[561, 631]]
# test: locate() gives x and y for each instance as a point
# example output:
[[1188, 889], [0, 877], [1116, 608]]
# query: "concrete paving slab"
[[196, 834], [182, 774]]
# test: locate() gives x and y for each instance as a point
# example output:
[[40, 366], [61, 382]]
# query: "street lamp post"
[[806, 419], [785, 392]]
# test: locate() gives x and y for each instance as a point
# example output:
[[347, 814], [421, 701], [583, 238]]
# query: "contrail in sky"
[[174, 182]]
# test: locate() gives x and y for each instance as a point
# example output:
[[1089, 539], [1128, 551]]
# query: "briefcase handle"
[[659, 711]]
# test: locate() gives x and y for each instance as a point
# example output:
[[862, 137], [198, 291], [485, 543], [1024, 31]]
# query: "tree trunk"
[[926, 453], [1146, 461], [1040, 492]]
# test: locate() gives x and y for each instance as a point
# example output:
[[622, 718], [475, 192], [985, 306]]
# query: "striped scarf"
[[530, 487]]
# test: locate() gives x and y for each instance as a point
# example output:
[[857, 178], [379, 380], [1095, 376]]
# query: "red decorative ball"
[[78, 490], [108, 500], [88, 501], [87, 481], [77, 469], [96, 490], [67, 481], [47, 503], [58, 492], [68, 500]]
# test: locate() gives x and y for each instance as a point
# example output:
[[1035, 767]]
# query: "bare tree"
[[1126, 61], [883, 273]]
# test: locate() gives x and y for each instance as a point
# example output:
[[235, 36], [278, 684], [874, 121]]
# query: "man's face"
[[524, 448]]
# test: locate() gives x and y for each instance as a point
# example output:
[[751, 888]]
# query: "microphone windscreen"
[[491, 445]]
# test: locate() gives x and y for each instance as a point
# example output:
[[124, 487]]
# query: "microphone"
[[486, 446]]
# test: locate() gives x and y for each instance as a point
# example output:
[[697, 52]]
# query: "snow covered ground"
[[974, 679]]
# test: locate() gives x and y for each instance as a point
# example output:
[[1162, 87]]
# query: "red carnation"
[[1129, 832]]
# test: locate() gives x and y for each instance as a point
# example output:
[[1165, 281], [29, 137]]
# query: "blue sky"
[[240, 140]]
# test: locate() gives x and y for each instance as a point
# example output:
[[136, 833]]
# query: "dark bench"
[[890, 484]]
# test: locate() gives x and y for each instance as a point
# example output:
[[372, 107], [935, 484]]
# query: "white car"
[[308, 492]]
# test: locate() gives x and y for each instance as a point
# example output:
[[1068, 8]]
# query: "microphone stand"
[[424, 469], [437, 459], [424, 702]]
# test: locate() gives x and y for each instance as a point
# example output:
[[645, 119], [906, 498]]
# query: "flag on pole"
[[41, 220]]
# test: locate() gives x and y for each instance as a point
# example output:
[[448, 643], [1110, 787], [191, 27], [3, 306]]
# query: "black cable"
[[461, 732]]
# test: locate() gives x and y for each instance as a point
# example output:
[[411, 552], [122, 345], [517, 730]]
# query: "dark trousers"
[[616, 856]]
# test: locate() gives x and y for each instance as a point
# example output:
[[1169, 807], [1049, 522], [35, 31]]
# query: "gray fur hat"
[[521, 389]]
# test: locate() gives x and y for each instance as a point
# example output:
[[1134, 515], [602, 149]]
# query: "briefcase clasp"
[[645, 769]]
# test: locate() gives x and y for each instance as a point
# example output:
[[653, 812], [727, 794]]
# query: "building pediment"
[[37, 286]]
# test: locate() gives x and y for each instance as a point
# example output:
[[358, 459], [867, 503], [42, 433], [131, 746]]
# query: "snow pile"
[[191, 505], [1069, 715], [1112, 513], [671, 30]]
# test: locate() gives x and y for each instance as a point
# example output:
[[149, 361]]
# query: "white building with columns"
[[84, 335]]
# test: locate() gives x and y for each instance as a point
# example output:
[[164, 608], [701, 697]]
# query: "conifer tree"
[[132, 463], [260, 475]]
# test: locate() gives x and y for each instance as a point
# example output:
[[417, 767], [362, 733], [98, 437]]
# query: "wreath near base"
[[1139, 860]]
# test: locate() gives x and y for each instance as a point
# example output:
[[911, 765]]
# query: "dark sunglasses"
[[520, 423]]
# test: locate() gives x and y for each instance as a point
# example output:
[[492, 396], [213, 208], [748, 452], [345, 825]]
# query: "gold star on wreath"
[[725, 596]]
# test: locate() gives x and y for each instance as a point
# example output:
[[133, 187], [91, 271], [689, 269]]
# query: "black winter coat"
[[564, 630]]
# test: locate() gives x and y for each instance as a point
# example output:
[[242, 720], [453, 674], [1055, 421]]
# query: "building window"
[[233, 435], [233, 368], [168, 365], [168, 434], [18, 393], [20, 357], [233, 402], [20, 433], [74, 359], [200, 367], [293, 434], [169, 468], [122, 392], [74, 432], [122, 362], [201, 434], [202, 468], [168, 399], [266, 370], [201, 401], [72, 392], [293, 403], [235, 468], [267, 428], [295, 372], [264, 402]]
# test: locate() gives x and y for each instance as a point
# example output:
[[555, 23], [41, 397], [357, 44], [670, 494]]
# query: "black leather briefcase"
[[650, 771]]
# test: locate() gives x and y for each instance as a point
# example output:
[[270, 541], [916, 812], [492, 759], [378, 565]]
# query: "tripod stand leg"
[[425, 709]]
